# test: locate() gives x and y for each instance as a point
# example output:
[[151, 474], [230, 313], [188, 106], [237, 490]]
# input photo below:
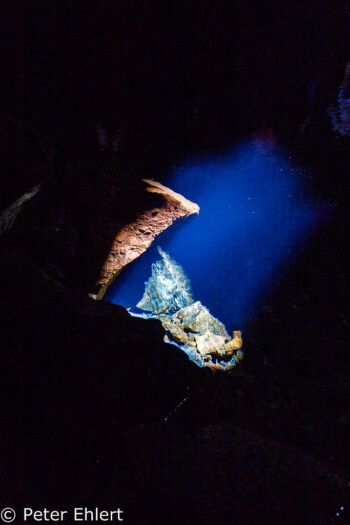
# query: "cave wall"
[[165, 85]]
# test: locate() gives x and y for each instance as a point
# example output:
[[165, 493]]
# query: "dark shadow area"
[[95, 408], [296, 349]]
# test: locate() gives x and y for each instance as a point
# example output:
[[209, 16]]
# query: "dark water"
[[255, 214]]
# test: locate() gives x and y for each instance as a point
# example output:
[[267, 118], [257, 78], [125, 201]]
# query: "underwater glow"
[[253, 214]]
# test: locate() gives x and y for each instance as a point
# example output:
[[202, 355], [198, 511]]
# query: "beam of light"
[[253, 215]]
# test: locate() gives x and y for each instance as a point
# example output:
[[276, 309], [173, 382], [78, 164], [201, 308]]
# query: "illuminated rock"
[[235, 343], [197, 318], [189, 324], [134, 238], [217, 354], [177, 334], [168, 289], [210, 344]]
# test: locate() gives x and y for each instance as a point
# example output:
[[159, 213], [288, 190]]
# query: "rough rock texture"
[[176, 332], [194, 326], [80, 220], [134, 238], [197, 318], [98, 409], [168, 289], [210, 344], [217, 353], [235, 343], [168, 297], [71, 383]]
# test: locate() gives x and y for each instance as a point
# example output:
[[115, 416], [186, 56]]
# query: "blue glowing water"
[[253, 216]]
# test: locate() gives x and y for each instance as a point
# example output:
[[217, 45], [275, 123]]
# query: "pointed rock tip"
[[157, 187]]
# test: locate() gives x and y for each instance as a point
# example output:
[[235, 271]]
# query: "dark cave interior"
[[94, 98]]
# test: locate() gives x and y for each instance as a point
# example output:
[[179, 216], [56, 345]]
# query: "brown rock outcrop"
[[134, 238], [235, 343]]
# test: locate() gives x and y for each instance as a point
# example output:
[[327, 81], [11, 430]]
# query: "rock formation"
[[92, 221], [8, 216], [209, 344], [86, 390], [235, 344], [168, 289], [197, 318], [134, 238], [204, 338]]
